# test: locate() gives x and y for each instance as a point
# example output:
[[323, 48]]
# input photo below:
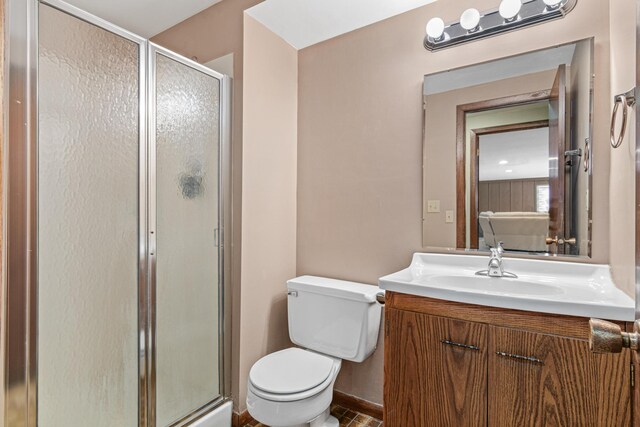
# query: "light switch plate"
[[433, 206], [448, 216]]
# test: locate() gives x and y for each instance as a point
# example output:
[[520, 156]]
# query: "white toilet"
[[332, 320]]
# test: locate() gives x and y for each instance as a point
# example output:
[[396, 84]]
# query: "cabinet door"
[[435, 371], [545, 380]]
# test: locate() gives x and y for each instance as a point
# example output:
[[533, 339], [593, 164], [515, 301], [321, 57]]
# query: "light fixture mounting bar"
[[492, 23]]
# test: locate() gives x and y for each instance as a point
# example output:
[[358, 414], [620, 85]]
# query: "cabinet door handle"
[[457, 344], [519, 357]]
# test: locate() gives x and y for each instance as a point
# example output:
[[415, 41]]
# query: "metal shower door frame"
[[20, 196]]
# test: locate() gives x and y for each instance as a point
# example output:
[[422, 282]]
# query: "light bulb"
[[503, 162], [509, 170], [509, 9], [552, 4], [470, 19], [435, 28]]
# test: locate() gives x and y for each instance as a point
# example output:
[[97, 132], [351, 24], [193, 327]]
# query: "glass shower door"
[[116, 303], [88, 168], [187, 133]]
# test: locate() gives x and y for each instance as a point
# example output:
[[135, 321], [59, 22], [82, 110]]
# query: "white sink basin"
[[490, 284], [568, 288]]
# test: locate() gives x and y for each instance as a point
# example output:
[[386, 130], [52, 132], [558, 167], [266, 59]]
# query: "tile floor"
[[346, 417]]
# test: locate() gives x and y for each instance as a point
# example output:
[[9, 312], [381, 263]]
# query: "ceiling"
[[526, 153], [144, 17], [303, 23]]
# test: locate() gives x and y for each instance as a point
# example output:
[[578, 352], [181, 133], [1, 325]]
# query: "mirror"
[[514, 136]]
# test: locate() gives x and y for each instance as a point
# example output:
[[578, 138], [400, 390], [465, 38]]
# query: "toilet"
[[330, 320]]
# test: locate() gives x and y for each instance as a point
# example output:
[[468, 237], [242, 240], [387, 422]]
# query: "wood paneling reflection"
[[518, 195]]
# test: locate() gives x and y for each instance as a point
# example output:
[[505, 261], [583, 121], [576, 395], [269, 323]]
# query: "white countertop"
[[574, 289]]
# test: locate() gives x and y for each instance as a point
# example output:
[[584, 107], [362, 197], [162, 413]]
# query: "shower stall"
[[115, 200]]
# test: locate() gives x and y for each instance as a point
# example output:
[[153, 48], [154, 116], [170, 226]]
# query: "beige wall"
[[623, 70], [360, 149], [269, 194], [211, 34]]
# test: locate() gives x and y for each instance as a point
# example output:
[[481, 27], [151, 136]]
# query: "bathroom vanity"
[[458, 364], [516, 136], [468, 350]]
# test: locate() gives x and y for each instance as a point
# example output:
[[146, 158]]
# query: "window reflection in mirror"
[[511, 134]]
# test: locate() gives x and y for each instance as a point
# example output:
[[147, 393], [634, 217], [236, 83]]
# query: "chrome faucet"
[[495, 264]]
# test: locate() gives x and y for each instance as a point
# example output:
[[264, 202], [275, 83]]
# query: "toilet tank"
[[334, 317]]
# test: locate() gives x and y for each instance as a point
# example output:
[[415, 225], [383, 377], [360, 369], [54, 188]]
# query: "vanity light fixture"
[[509, 16]]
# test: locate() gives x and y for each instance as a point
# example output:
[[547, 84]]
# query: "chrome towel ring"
[[625, 100]]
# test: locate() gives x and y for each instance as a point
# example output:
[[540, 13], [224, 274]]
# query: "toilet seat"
[[292, 374]]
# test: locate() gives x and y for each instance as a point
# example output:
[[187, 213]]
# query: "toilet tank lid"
[[333, 287]]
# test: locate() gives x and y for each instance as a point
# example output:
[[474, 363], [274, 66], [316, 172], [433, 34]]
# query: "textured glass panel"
[[187, 258], [88, 220]]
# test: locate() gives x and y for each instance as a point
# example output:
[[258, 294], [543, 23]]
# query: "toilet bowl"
[[293, 387], [332, 320]]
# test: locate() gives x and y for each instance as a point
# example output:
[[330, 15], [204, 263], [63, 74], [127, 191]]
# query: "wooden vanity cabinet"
[[452, 364], [430, 379], [561, 383]]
